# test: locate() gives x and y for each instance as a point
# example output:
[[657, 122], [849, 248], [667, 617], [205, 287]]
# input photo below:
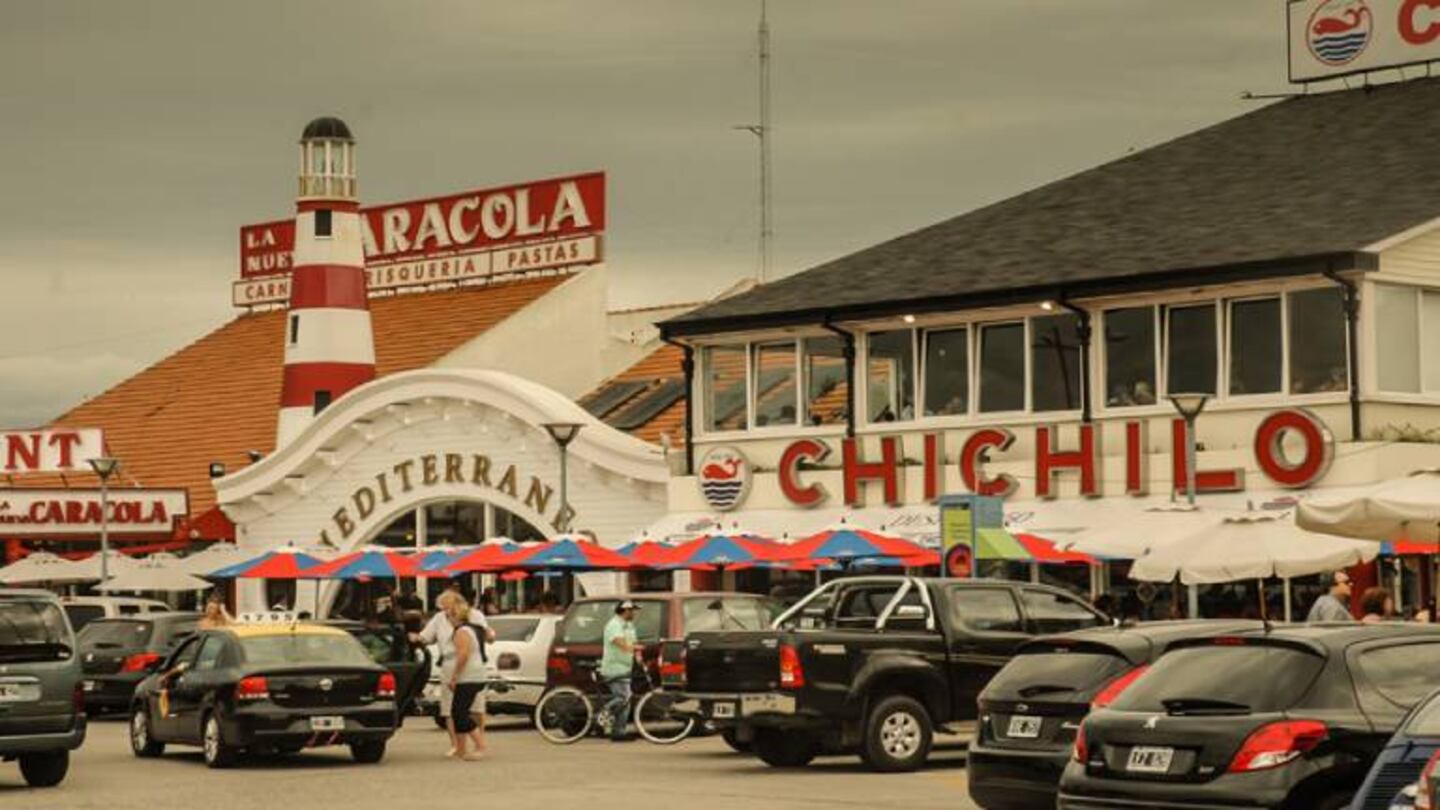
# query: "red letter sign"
[[1137, 455], [788, 472], [1270, 450], [1205, 480], [934, 465], [1049, 460], [1408, 31], [1002, 485], [887, 470]]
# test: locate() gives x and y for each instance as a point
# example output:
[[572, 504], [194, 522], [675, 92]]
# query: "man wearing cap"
[[617, 663]]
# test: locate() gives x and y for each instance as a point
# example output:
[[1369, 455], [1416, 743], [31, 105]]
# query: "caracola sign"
[[1083, 460], [34, 512]]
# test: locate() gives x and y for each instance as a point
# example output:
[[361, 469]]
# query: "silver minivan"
[[42, 716]]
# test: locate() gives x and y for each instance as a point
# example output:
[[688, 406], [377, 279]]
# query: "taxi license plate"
[[1149, 759], [329, 723], [1023, 727], [19, 692], [88, 686], [722, 710], [767, 704]]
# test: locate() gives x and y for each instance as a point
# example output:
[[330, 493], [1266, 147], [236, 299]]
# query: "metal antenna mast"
[[762, 131]]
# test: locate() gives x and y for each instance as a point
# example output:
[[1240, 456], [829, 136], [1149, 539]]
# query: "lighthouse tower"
[[329, 344]]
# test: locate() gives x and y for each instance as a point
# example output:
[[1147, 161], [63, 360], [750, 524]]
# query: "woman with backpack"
[[467, 682]]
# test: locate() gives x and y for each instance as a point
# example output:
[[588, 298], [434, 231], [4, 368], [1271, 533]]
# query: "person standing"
[[441, 633], [617, 663], [1330, 607], [467, 682]]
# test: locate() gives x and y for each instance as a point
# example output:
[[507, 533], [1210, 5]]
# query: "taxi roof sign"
[[268, 617]]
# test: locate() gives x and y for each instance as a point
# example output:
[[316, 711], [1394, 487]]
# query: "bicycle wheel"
[[564, 715], [657, 721]]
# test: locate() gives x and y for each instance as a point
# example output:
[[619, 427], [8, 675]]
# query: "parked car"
[[661, 617], [869, 664], [1286, 718], [1401, 773], [85, 609], [389, 646], [274, 688], [43, 720], [1030, 711], [519, 653], [117, 654]]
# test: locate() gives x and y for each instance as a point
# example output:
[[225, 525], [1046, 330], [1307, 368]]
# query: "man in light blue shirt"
[[617, 662]]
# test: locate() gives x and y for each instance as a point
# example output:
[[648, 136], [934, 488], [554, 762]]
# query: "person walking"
[[617, 663], [467, 682], [440, 632], [1330, 607]]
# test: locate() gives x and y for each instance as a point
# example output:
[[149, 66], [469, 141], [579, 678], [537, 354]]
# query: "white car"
[[81, 610], [518, 654]]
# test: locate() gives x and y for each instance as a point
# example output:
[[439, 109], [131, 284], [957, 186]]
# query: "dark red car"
[[662, 617]]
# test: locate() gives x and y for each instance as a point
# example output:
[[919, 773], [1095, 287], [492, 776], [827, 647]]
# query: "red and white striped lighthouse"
[[329, 344]]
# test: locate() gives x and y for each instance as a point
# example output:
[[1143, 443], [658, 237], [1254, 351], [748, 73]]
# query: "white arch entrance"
[[433, 435]]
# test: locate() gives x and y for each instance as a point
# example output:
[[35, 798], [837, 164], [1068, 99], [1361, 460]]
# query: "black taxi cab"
[[271, 685]]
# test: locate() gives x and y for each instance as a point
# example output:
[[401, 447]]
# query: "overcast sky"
[[137, 137]]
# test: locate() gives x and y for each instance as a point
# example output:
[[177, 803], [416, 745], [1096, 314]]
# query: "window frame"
[[1102, 358], [1220, 329], [1026, 410], [862, 369], [922, 375], [753, 371], [1282, 299], [1080, 372]]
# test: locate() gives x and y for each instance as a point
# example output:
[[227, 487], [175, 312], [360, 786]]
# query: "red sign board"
[[471, 222]]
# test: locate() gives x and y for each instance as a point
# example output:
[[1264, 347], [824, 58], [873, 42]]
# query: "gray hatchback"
[[42, 716]]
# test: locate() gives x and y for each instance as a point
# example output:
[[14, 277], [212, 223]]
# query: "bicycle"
[[567, 714]]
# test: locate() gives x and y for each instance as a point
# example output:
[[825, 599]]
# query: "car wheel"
[[218, 754], [45, 770], [369, 752], [142, 741], [731, 736], [785, 749], [898, 734]]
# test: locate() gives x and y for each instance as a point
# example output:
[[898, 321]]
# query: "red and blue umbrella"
[[488, 557], [432, 561], [368, 564], [846, 544], [568, 555], [280, 564], [647, 553], [719, 551]]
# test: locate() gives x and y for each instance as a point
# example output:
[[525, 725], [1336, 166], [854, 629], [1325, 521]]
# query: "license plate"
[[1023, 727], [327, 723], [19, 692], [88, 686], [767, 704], [722, 710], [1149, 759]]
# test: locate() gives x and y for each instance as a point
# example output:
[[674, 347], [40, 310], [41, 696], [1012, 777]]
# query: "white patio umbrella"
[[1250, 547], [217, 556], [1129, 533], [155, 575], [88, 569], [1403, 508], [42, 566]]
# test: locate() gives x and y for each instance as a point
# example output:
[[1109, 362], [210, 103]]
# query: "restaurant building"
[[1285, 263]]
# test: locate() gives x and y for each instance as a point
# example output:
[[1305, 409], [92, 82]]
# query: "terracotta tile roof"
[[657, 368], [217, 398]]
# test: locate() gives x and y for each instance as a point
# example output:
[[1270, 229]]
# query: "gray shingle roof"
[[1296, 186]]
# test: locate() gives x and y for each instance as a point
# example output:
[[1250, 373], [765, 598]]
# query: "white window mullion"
[[1025, 362]]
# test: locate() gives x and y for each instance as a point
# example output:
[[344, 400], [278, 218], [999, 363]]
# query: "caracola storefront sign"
[[724, 473]]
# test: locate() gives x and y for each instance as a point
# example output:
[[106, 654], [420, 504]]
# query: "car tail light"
[[792, 673], [385, 687], [557, 666], [1424, 799], [672, 672], [140, 662], [1081, 751], [1277, 743], [254, 687], [1113, 689], [1228, 641], [508, 660]]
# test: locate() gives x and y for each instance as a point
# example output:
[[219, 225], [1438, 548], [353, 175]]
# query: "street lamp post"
[[104, 467], [1190, 406], [563, 433]]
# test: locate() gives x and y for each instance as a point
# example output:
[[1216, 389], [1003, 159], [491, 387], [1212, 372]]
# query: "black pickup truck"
[[870, 664]]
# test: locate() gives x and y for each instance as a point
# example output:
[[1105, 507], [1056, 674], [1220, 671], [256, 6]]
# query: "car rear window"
[[32, 631], [1052, 672], [304, 648], [726, 613], [1425, 722], [81, 615], [1246, 678], [120, 634], [510, 628], [585, 621]]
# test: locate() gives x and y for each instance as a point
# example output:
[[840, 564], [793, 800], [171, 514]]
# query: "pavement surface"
[[522, 771]]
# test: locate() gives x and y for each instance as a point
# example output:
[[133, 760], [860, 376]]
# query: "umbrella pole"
[[1285, 587], [1264, 608]]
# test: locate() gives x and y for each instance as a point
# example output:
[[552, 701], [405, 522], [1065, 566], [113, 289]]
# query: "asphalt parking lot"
[[522, 771]]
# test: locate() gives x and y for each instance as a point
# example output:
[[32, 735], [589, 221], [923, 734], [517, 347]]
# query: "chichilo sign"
[[540, 225], [1330, 38]]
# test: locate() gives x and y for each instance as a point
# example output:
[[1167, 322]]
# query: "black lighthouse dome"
[[328, 127]]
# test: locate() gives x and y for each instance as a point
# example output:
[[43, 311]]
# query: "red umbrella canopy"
[[735, 550], [367, 564], [845, 543], [488, 557], [281, 564], [568, 555], [648, 553]]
